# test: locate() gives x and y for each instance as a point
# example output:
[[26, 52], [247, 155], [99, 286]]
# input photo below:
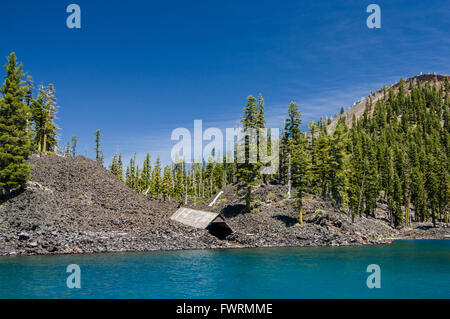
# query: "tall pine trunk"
[[289, 176], [407, 211]]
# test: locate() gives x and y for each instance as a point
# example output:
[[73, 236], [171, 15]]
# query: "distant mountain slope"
[[398, 150], [360, 106]]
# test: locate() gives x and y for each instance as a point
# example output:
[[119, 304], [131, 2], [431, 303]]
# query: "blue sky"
[[136, 70]]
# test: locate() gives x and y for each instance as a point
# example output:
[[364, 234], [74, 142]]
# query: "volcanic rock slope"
[[73, 205], [274, 223]]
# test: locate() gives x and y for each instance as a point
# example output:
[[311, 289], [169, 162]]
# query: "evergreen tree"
[[338, 165], [119, 173], [260, 121], [321, 168], [371, 177], [43, 115], [29, 99], [293, 123], [300, 172], [179, 185], [98, 151], [247, 172], [131, 172], [291, 138], [15, 145], [116, 166], [39, 119], [29, 91], [166, 190], [67, 152], [156, 186], [49, 140], [74, 146], [146, 173]]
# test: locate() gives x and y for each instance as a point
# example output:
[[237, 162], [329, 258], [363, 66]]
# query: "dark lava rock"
[[24, 236]]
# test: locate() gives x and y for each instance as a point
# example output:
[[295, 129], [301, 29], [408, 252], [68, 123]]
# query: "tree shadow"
[[424, 227], [287, 220], [233, 210], [13, 193]]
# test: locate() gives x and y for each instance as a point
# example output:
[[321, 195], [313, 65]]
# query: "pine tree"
[[130, 175], [43, 116], [261, 138], [98, 151], [371, 177], [116, 166], [284, 157], [179, 185], [67, 152], [321, 168], [119, 173], [291, 139], [146, 173], [156, 185], [209, 176], [293, 123], [338, 165], [357, 174], [74, 146], [29, 99], [166, 190], [247, 173], [260, 121], [397, 197], [300, 172], [15, 145], [29, 91], [49, 140], [39, 119], [432, 186]]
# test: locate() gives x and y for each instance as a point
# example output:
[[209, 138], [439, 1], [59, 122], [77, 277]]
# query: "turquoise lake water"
[[409, 269]]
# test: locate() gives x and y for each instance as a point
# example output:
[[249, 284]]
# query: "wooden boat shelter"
[[213, 222]]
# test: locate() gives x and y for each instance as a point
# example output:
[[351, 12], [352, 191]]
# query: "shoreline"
[[380, 242]]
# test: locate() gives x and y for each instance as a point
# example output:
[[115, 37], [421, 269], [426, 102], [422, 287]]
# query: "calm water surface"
[[409, 269]]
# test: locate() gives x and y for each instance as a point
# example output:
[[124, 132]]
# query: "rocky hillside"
[[275, 221], [73, 205]]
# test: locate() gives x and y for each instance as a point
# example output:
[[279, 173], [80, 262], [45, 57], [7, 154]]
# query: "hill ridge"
[[360, 106]]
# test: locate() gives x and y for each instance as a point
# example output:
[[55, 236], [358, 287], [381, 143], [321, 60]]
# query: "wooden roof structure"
[[196, 218]]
